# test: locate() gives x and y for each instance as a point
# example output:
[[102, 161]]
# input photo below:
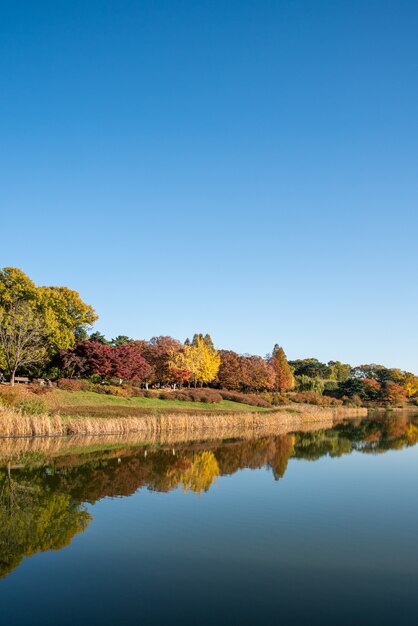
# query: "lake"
[[316, 527]]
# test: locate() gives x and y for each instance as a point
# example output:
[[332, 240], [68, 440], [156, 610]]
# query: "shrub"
[[32, 406], [69, 384], [311, 397], [182, 396], [136, 392], [331, 386], [275, 399], [39, 390], [11, 396], [120, 392], [245, 398]]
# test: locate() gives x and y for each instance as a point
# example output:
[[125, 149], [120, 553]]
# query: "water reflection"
[[42, 501]]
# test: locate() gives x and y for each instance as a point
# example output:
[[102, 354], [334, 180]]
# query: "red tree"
[[96, 358], [128, 363]]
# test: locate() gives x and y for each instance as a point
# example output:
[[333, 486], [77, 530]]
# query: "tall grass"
[[18, 449], [200, 425]]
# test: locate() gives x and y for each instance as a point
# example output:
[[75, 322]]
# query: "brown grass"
[[14, 424]]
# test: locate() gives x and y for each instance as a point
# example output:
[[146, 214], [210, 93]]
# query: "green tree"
[[339, 371], [22, 336], [64, 317], [120, 340], [99, 338]]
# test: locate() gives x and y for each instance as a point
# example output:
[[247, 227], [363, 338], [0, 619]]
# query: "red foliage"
[[180, 376], [95, 357], [394, 393], [372, 388], [128, 363]]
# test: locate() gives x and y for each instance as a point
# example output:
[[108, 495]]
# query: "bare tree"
[[22, 336]]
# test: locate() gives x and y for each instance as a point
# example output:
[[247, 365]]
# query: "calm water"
[[304, 528]]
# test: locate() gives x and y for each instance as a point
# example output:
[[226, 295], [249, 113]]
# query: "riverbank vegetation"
[[46, 336]]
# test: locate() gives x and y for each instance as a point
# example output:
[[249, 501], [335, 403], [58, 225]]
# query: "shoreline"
[[157, 431], [13, 425]]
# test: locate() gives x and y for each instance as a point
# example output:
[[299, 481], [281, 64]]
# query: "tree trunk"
[[12, 377]]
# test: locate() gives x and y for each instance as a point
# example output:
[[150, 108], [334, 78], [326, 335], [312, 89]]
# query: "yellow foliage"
[[411, 385], [64, 313], [202, 472], [199, 359]]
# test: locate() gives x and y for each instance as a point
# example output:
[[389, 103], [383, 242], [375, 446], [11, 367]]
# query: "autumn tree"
[[410, 384], [93, 358], [284, 378], [127, 363], [258, 374], [159, 353], [371, 389], [231, 371], [199, 359], [394, 393]]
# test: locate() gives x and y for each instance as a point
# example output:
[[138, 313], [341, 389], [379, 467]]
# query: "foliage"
[[312, 397], [339, 371], [199, 474], [65, 315], [56, 315], [32, 406], [284, 378], [33, 519], [92, 358], [310, 367], [410, 385], [199, 358], [306, 383], [22, 336], [394, 393]]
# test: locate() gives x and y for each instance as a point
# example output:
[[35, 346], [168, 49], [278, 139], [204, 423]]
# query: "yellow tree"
[[410, 385], [200, 359]]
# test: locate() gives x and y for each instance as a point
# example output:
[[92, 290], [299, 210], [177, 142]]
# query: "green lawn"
[[71, 400]]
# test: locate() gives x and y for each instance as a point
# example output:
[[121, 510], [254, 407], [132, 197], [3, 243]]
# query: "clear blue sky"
[[247, 169]]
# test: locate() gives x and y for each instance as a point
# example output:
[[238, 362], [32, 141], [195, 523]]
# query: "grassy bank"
[[95, 404], [38, 449], [197, 424]]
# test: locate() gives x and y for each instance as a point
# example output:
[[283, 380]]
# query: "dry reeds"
[[14, 424]]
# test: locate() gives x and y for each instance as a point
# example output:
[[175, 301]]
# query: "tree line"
[[47, 332]]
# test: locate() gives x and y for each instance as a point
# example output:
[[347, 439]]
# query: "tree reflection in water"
[[42, 506], [34, 517]]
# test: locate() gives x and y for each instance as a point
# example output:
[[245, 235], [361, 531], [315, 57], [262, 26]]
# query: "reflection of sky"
[[334, 537]]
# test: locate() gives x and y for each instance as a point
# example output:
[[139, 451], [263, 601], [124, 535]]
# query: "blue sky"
[[247, 169]]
